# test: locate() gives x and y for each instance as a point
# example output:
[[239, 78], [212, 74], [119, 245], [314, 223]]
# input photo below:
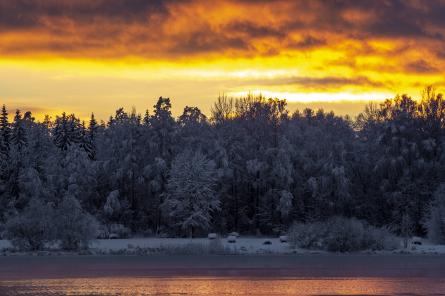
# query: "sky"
[[86, 56]]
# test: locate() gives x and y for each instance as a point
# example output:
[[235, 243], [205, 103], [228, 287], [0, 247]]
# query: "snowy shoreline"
[[204, 246]]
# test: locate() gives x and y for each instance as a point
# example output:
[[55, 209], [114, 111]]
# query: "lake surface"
[[223, 275], [224, 286]]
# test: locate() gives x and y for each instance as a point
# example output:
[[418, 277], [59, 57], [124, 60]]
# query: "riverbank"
[[202, 246]]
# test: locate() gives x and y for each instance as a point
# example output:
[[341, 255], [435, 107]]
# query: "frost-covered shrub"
[[307, 236], [436, 219], [339, 234], [380, 239], [33, 228], [344, 235], [112, 205], [74, 227]]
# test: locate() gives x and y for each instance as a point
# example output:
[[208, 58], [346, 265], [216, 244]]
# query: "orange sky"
[[98, 55]]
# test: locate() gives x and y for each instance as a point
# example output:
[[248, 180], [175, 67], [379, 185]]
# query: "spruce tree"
[[5, 133], [91, 137], [18, 132]]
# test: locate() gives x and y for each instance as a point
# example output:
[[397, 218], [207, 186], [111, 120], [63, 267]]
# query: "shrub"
[[75, 228], [380, 239], [344, 235], [307, 236], [33, 228], [339, 234]]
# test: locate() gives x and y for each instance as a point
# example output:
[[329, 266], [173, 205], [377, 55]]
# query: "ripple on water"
[[224, 286]]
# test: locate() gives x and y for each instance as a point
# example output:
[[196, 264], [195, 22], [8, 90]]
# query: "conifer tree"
[[18, 132], [5, 133]]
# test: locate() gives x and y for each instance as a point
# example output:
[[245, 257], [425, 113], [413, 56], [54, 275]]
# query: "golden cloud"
[[280, 47]]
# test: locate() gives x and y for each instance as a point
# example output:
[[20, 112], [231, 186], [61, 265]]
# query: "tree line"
[[252, 167]]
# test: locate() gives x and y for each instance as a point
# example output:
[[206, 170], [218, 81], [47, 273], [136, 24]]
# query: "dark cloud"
[[144, 28], [254, 30], [313, 82], [29, 14], [307, 42], [421, 66], [206, 41], [379, 18]]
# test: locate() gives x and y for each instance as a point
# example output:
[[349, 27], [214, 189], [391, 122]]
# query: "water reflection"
[[224, 286]]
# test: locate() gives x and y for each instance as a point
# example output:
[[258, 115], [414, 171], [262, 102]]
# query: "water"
[[321, 274], [224, 286]]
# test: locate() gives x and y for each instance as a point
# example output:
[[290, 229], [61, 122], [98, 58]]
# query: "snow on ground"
[[4, 244], [425, 247], [243, 245], [186, 245]]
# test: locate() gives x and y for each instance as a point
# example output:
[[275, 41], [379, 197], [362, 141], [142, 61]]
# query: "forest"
[[251, 167]]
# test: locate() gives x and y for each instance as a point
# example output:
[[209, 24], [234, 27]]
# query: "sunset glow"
[[98, 55]]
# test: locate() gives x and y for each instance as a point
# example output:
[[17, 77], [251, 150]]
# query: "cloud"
[[319, 83], [285, 45], [205, 41], [420, 66], [162, 28], [307, 42], [253, 30], [31, 14]]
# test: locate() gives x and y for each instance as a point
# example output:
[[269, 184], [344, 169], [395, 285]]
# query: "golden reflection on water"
[[224, 286]]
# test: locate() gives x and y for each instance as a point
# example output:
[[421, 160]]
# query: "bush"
[[339, 234], [75, 228], [33, 228], [307, 236], [344, 235], [380, 239]]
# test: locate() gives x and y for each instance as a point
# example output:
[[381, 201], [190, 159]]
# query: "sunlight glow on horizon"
[[316, 97], [83, 58]]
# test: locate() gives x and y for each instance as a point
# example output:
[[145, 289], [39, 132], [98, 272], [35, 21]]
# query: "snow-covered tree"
[[75, 228], [18, 136], [112, 206], [285, 203], [266, 167], [163, 124], [191, 198], [435, 222], [66, 131], [91, 137], [5, 133], [33, 227]]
